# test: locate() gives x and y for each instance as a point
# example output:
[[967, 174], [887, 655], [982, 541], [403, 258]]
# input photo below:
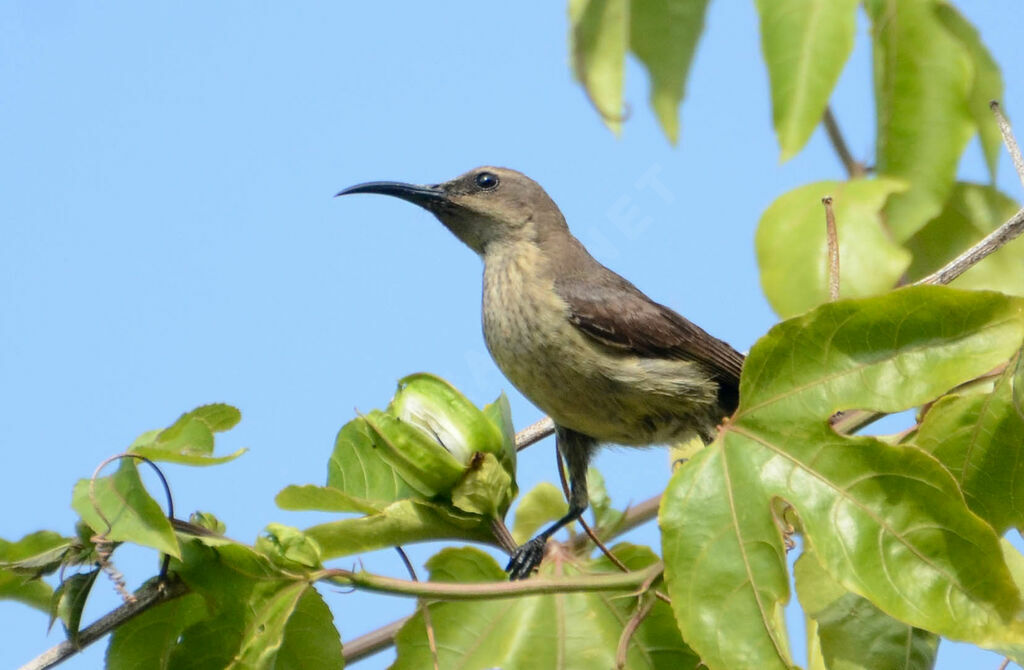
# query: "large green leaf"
[[806, 43], [972, 211], [854, 634], [148, 640], [664, 35], [599, 39], [986, 83], [571, 630], [132, 513], [310, 639], [980, 438], [887, 523], [792, 249], [260, 616], [922, 84]]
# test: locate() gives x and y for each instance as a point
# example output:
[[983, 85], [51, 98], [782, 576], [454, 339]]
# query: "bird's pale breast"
[[611, 396]]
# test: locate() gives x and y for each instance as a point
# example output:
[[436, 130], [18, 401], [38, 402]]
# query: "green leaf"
[[599, 37], [986, 83], [147, 641], [310, 638], [888, 523], [664, 36], [357, 469], [32, 592], [853, 633], [132, 513], [323, 499], [189, 440], [402, 522], [36, 554], [979, 438], [162, 455], [540, 505], [792, 248], [972, 211], [922, 85], [252, 606], [1018, 384], [567, 631], [806, 43], [69, 601], [606, 517]]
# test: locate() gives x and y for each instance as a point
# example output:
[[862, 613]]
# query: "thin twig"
[[148, 596], [627, 632], [1005, 664], [491, 590], [992, 242], [423, 607], [854, 168], [534, 433], [634, 516], [1008, 139], [833, 249]]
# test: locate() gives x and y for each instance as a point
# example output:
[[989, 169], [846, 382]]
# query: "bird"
[[608, 364]]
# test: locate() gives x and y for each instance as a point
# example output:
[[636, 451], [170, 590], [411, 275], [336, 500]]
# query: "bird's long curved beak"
[[419, 195]]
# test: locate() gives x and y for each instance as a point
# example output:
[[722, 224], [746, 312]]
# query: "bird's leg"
[[576, 449]]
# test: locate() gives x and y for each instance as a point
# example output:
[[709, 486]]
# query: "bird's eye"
[[487, 180]]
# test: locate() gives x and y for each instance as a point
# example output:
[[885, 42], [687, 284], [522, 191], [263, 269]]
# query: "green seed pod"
[[418, 458], [442, 412]]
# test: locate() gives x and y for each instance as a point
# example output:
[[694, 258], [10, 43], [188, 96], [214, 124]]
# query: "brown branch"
[[534, 433], [372, 642], [833, 249], [145, 598], [854, 168]]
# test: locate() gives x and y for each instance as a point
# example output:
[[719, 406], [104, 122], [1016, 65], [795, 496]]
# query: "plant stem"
[[489, 590]]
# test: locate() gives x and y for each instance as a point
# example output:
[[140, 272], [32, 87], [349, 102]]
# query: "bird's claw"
[[525, 558]]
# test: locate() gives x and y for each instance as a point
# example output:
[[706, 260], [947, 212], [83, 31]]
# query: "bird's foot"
[[525, 558]]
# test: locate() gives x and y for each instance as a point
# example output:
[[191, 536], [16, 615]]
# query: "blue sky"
[[170, 239]]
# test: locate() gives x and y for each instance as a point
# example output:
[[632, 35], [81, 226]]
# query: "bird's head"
[[482, 207]]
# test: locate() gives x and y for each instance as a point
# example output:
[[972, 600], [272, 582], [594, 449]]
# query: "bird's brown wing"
[[618, 315]]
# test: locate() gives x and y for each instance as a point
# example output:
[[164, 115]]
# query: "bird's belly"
[[582, 385]]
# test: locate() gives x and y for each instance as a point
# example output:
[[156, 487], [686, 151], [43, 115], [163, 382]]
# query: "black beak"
[[424, 196]]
